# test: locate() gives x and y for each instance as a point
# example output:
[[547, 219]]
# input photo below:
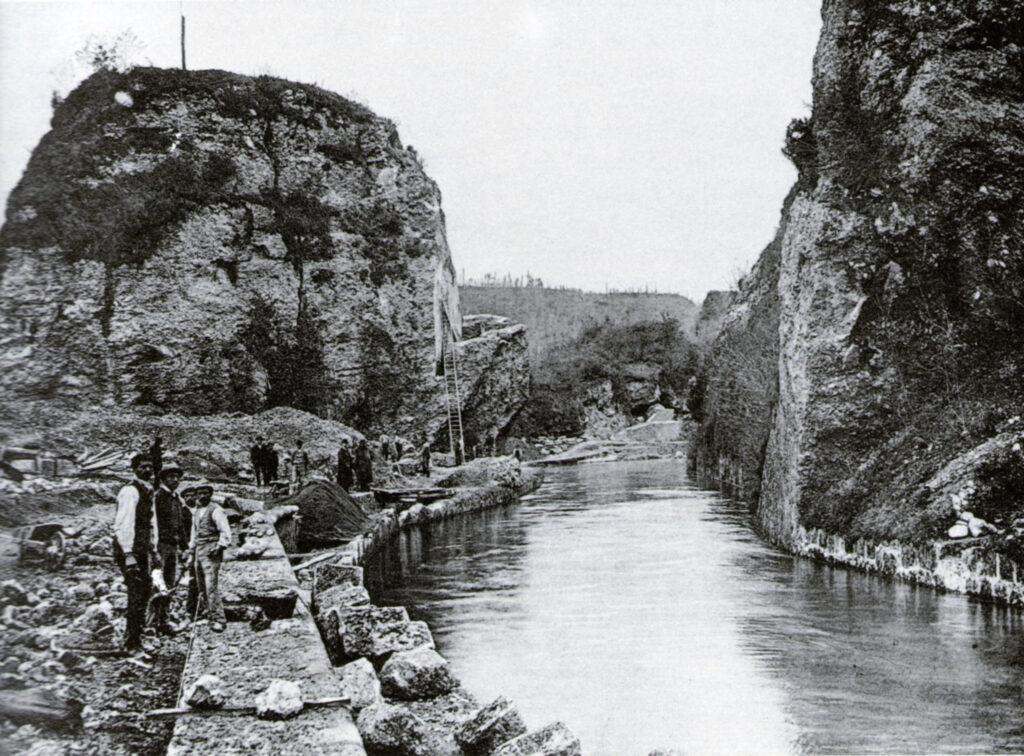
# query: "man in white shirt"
[[211, 534], [135, 533]]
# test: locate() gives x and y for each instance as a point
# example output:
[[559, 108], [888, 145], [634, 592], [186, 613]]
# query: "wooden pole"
[[183, 41]]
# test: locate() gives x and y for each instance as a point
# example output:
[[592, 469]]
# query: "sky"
[[623, 144]]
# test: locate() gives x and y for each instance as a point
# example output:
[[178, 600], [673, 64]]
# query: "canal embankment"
[[400, 695]]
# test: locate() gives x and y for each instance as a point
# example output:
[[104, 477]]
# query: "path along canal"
[[646, 613]]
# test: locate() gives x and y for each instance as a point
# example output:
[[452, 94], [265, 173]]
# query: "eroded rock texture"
[[202, 242], [900, 275]]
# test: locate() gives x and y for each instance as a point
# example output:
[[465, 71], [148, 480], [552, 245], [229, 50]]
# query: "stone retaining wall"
[[967, 566]]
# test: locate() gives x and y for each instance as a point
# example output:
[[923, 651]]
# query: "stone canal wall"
[[967, 566]]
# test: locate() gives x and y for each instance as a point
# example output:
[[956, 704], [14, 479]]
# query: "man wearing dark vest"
[[172, 537], [257, 455], [135, 546]]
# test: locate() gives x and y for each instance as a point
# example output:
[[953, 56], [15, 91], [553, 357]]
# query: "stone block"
[[554, 740], [488, 728], [359, 683], [387, 729], [417, 674]]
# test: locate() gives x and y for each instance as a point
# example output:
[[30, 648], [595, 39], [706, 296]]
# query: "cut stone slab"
[[417, 674], [359, 683], [281, 700], [342, 596], [554, 740], [267, 583], [376, 632], [330, 575], [488, 728]]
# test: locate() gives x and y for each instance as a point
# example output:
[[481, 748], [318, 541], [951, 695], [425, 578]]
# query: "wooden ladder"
[[451, 393]]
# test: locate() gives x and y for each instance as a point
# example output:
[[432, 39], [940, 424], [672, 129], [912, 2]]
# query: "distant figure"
[[273, 461], [399, 447], [156, 453], [385, 446], [300, 464], [364, 466], [257, 455], [211, 535], [425, 458], [518, 454], [392, 450], [135, 532], [345, 461]]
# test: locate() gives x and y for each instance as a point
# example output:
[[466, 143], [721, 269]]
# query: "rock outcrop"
[[897, 279], [203, 242]]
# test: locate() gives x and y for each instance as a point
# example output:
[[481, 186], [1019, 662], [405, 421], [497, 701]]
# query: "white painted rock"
[[416, 674], [206, 693], [959, 530], [359, 683], [977, 526], [282, 699]]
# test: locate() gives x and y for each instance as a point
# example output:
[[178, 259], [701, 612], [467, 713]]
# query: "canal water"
[[646, 613]]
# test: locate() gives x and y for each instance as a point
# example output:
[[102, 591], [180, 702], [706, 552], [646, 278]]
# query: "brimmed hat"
[[197, 486], [138, 459], [170, 467]]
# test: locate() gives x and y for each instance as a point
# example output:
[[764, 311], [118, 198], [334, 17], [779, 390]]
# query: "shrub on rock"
[[488, 728], [417, 674]]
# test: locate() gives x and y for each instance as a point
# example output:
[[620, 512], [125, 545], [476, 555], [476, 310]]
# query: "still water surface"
[[646, 613]]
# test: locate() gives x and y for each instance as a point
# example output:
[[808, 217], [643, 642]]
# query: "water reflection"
[[648, 614]]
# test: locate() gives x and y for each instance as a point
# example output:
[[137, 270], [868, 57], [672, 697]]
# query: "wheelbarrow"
[[40, 543]]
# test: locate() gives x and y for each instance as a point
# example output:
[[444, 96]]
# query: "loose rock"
[[281, 700], [12, 592], [417, 674], [206, 693]]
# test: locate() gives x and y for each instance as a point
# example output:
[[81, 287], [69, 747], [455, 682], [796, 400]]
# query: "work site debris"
[[206, 693], [554, 740], [328, 515], [281, 700]]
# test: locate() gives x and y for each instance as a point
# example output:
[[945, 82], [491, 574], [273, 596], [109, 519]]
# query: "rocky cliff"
[[203, 242], [898, 283]]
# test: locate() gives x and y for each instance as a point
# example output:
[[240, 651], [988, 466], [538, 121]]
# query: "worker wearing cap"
[[170, 516], [211, 535], [135, 530]]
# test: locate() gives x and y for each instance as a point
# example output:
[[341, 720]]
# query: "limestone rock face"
[[897, 278], [219, 243]]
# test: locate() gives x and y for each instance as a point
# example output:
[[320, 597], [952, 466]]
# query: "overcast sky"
[[593, 143]]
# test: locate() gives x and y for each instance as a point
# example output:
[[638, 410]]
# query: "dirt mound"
[[329, 516]]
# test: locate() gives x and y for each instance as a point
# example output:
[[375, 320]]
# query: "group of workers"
[[355, 466], [159, 533]]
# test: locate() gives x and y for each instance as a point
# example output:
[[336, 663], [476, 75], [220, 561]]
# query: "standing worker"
[[385, 446], [170, 513], [364, 466], [300, 464], [425, 458], [135, 530], [345, 465], [257, 457], [211, 534], [273, 460]]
